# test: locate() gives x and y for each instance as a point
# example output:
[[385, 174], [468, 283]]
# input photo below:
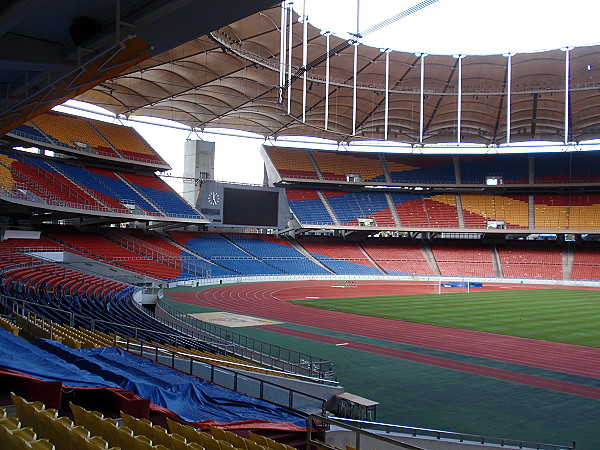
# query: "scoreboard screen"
[[249, 207]]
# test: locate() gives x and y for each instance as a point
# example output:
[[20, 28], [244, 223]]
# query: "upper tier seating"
[[480, 208], [434, 169], [292, 163], [524, 259], [308, 207], [69, 130], [108, 185], [426, 211], [336, 165], [567, 167], [567, 212], [90, 136], [474, 169], [348, 207], [559, 167], [127, 141], [161, 194]]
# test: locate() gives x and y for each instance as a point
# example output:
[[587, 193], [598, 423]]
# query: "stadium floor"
[[424, 375]]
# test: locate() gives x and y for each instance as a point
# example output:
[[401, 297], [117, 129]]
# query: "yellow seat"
[[236, 441], [19, 439], [78, 440], [195, 446], [140, 427], [175, 427], [79, 414], [178, 442], [192, 435], [41, 444], [12, 423], [224, 445], [108, 429], [142, 443], [124, 437], [259, 439], [208, 442], [61, 432], [96, 443], [161, 436], [251, 445], [219, 434]]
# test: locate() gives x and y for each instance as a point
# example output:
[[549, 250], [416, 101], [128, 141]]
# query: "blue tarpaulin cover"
[[192, 399], [19, 355]]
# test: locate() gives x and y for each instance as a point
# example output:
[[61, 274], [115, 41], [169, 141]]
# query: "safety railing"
[[375, 429], [315, 423], [256, 350]]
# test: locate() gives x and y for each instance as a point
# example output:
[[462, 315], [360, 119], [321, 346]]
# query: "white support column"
[[458, 124], [387, 92], [289, 71], [282, 50], [355, 44], [421, 96], [304, 58], [508, 94], [327, 35], [567, 51]]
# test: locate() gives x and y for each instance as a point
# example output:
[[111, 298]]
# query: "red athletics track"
[[268, 300]]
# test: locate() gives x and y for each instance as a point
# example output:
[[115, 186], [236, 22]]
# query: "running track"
[[269, 300]]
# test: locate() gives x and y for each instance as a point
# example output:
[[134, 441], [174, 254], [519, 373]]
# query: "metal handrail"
[[443, 434], [173, 354], [296, 360], [319, 421]]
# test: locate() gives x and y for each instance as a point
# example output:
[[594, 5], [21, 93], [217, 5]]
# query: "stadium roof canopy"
[[53, 50], [230, 78]]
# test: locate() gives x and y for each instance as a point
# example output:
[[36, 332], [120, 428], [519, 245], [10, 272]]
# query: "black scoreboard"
[[237, 205]]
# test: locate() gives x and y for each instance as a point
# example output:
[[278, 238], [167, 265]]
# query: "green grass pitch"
[[560, 315]]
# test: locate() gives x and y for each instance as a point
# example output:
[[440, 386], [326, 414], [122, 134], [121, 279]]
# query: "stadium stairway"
[[306, 253], [430, 258]]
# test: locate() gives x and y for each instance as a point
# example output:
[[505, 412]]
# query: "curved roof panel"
[[230, 79]]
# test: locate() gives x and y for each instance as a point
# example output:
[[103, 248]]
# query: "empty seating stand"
[[308, 207], [344, 258], [531, 259], [161, 194], [349, 207], [345, 166], [292, 163]]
